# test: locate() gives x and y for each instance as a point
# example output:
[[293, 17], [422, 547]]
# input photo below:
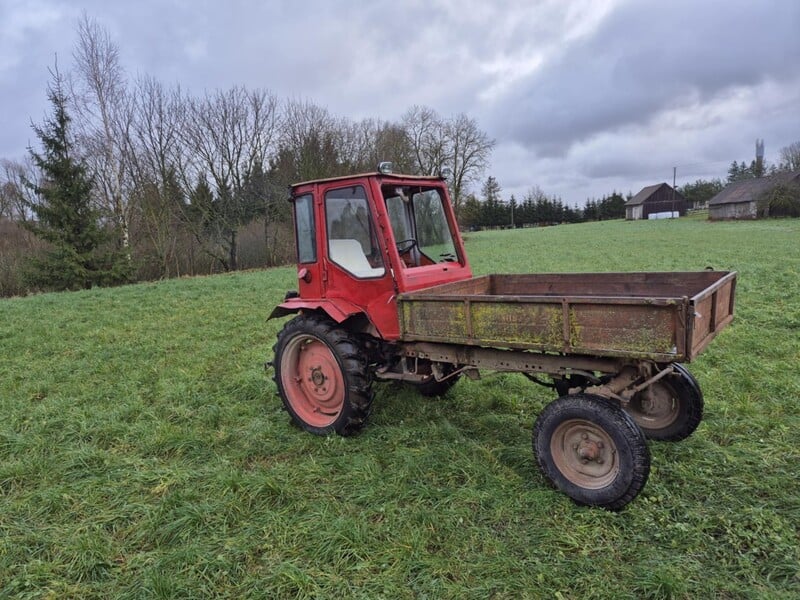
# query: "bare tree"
[[311, 141], [790, 157], [363, 144], [156, 153], [17, 242], [103, 118], [468, 154], [231, 136], [392, 143], [16, 197], [456, 143], [355, 141], [426, 134]]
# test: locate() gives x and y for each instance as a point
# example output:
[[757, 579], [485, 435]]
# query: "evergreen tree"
[[733, 172], [527, 212], [590, 210], [512, 205], [78, 255], [470, 216], [701, 191], [740, 171], [612, 207], [572, 215], [493, 210]]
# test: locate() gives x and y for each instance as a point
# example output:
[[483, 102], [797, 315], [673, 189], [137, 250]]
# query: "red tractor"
[[385, 291]]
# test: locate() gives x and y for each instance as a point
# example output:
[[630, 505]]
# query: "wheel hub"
[[317, 378], [654, 407], [584, 453], [590, 450]]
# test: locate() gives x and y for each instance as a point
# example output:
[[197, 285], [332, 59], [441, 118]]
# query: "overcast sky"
[[582, 97]]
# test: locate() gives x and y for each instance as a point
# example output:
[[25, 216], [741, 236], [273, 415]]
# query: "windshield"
[[419, 225]]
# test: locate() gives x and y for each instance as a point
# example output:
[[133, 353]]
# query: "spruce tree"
[[64, 214]]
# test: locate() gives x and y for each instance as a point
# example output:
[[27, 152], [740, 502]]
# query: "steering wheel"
[[404, 246]]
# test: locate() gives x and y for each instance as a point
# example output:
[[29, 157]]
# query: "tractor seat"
[[347, 253]]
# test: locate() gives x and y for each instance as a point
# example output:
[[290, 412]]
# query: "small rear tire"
[[671, 408], [591, 450], [433, 388]]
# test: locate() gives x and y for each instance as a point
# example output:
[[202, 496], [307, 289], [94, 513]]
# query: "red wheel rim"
[[312, 381]]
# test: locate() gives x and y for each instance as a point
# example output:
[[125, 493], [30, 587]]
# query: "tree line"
[[536, 208], [180, 184]]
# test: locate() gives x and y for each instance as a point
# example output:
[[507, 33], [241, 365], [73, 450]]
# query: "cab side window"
[[305, 230], [352, 243]]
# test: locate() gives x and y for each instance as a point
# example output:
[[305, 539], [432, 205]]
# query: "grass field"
[[144, 454]]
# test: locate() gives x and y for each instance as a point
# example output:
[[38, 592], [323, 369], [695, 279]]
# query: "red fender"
[[336, 308]]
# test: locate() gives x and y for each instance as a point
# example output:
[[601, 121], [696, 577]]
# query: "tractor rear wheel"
[[591, 450], [322, 376]]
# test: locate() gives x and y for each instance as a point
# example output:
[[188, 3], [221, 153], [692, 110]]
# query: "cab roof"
[[387, 176]]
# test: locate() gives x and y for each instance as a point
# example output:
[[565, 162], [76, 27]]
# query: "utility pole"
[[759, 166], [674, 174]]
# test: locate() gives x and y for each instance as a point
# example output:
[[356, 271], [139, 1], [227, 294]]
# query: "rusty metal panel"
[[434, 320], [641, 315], [624, 328], [535, 325], [711, 311]]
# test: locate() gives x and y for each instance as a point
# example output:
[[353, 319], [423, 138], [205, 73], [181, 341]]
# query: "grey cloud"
[[591, 118], [646, 58]]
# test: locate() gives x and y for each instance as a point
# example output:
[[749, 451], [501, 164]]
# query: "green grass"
[[144, 454]]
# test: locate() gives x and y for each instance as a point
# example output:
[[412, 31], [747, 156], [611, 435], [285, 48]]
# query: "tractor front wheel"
[[322, 376]]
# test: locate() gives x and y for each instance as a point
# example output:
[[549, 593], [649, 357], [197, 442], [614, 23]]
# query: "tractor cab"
[[364, 239]]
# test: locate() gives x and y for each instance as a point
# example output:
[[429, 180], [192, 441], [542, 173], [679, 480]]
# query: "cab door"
[[356, 266]]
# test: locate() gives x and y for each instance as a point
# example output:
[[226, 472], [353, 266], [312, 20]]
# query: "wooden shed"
[[654, 201], [739, 200]]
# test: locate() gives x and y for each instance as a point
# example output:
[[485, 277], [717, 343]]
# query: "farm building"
[[739, 200], [654, 201]]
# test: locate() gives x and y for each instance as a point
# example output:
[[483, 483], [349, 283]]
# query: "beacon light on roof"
[[385, 168]]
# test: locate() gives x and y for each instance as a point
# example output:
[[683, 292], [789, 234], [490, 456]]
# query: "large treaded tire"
[[322, 376], [675, 409], [591, 450]]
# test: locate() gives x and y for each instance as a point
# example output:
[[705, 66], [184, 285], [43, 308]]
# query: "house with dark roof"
[[739, 200], [654, 201]]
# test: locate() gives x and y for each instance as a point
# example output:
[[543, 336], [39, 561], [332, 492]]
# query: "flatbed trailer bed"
[[663, 317]]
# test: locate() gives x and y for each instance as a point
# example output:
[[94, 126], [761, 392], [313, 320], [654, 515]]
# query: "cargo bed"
[[664, 317]]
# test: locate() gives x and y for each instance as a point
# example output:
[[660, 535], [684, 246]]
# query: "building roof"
[[646, 192], [748, 190]]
